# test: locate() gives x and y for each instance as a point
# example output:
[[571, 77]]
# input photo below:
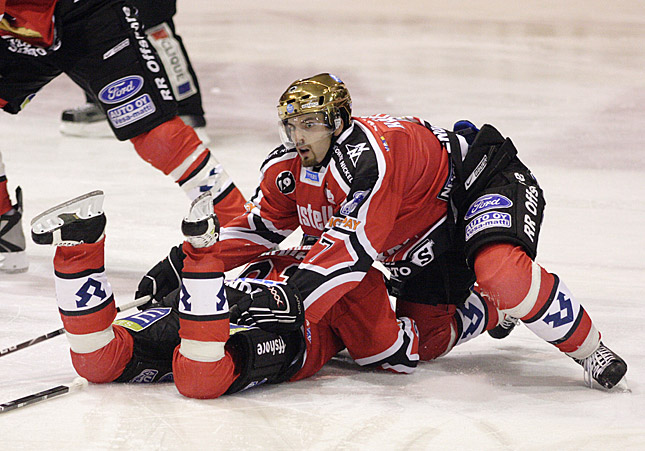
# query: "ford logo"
[[122, 89], [487, 202]]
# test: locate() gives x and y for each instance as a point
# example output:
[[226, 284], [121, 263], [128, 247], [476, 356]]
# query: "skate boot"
[[85, 121], [77, 221], [604, 366], [198, 123], [503, 329], [201, 226], [13, 258]]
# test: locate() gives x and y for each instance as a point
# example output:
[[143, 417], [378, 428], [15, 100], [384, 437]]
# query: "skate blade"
[[85, 206], [621, 387], [201, 208]]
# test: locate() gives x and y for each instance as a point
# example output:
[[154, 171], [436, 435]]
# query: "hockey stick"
[[77, 384], [25, 344]]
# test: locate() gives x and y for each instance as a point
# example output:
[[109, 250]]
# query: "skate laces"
[[595, 364], [509, 322]]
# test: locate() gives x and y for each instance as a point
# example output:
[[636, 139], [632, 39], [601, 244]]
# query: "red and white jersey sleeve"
[[270, 214], [392, 172]]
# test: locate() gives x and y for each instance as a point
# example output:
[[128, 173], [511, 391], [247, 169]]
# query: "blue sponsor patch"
[[355, 202], [290, 108], [487, 202], [121, 90], [312, 175], [132, 111], [141, 320], [487, 221]]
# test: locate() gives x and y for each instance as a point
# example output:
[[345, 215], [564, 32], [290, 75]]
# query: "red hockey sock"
[[99, 350], [174, 148], [507, 277], [5, 200], [201, 366], [169, 146], [523, 289]]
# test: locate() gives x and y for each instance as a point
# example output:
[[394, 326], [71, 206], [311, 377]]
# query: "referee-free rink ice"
[[564, 79]]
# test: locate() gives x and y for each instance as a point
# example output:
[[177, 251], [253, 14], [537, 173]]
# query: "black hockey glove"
[[162, 279], [271, 306]]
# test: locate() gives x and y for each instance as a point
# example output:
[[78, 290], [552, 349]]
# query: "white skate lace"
[[595, 364], [509, 322]]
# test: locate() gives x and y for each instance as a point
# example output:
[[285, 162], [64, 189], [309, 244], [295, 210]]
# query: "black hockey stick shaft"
[[76, 384], [25, 344]]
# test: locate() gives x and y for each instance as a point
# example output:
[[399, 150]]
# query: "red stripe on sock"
[[578, 337], [201, 260], [75, 259], [90, 323], [207, 331]]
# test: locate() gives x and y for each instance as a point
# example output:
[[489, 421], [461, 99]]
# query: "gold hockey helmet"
[[322, 93]]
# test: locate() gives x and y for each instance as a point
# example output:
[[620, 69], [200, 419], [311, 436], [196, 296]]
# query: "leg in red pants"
[[175, 149], [444, 326], [523, 289]]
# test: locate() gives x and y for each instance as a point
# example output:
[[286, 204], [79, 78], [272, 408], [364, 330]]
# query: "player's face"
[[310, 135]]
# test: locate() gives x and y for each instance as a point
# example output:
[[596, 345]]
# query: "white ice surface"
[[564, 79]]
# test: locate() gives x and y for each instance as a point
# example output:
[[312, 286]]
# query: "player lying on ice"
[[194, 341], [440, 209]]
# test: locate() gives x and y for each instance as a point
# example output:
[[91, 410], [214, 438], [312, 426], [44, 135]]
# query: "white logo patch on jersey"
[[354, 152]]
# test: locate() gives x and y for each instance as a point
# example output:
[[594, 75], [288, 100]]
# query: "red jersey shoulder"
[[281, 170]]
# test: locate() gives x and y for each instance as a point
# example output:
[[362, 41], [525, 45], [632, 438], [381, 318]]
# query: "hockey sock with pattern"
[[86, 305], [523, 289], [175, 149], [201, 366]]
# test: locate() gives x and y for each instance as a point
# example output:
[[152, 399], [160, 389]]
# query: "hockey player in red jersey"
[[99, 44], [440, 209], [188, 337]]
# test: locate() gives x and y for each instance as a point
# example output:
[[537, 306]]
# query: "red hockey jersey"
[[380, 191]]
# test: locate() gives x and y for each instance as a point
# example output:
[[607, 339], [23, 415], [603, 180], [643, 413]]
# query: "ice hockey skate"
[[13, 258], [77, 221], [504, 328], [85, 121], [201, 226], [604, 366]]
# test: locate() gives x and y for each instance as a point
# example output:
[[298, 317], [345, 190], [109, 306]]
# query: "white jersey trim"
[[319, 292]]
